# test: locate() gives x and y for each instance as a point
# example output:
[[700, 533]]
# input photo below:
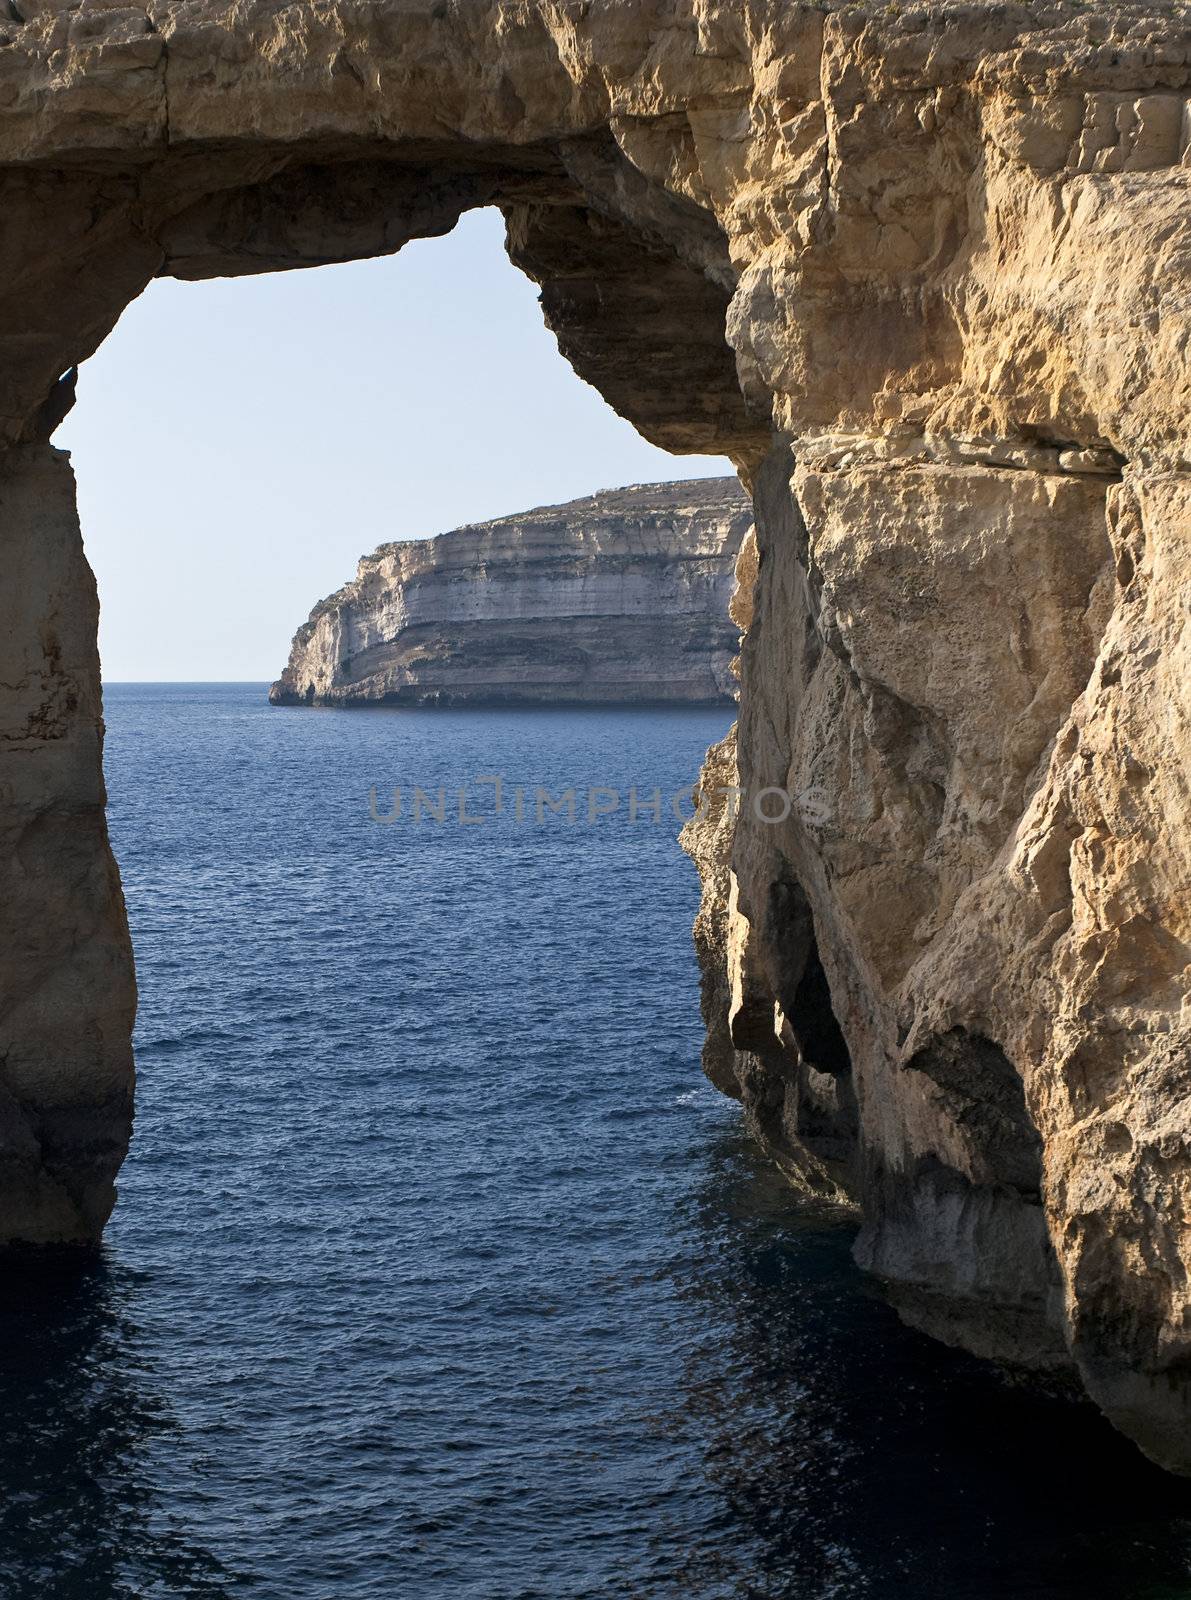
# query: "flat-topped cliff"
[[618, 597]]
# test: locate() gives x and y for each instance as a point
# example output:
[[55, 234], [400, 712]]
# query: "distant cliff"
[[619, 597]]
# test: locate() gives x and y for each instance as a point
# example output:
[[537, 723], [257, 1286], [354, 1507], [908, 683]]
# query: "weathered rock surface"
[[923, 273], [619, 597], [68, 1000]]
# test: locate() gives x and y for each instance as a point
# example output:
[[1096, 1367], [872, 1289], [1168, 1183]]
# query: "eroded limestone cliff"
[[922, 272], [620, 597]]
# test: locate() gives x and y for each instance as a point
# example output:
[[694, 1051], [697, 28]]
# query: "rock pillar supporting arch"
[[66, 1075]]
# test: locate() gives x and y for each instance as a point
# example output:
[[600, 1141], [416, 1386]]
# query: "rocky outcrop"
[[922, 273], [68, 999], [617, 598]]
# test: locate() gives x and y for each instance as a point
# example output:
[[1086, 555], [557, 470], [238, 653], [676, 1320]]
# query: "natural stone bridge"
[[923, 274]]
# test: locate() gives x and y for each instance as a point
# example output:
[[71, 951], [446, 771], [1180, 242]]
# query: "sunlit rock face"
[[922, 273], [619, 598]]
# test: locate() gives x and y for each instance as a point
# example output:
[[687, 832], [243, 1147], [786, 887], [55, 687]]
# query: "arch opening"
[[634, 288]]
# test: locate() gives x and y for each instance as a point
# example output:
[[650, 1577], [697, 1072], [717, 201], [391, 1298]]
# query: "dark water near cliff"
[[438, 1271]]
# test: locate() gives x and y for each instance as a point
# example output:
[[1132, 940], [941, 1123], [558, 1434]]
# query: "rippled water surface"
[[439, 1272]]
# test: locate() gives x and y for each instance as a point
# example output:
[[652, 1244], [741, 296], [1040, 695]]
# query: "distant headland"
[[618, 598]]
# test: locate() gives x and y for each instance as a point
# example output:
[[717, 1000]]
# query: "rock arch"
[[912, 270]]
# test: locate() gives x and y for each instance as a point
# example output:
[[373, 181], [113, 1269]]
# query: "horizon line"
[[243, 682]]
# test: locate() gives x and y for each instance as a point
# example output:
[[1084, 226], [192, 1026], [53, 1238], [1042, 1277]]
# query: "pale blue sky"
[[240, 443]]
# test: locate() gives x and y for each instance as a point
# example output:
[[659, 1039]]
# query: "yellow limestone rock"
[[923, 273]]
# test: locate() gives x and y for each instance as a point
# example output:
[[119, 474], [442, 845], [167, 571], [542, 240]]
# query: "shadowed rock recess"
[[923, 274], [621, 597]]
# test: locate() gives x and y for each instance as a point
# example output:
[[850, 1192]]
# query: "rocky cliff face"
[[922, 272], [619, 597]]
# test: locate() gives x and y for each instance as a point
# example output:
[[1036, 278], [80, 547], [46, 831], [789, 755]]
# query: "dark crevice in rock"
[[980, 1092], [789, 937], [1049, 439], [819, 1035], [56, 406], [797, 1086]]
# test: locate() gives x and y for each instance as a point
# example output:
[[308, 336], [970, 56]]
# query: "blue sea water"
[[439, 1272]]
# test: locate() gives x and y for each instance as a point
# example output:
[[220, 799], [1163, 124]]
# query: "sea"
[[438, 1271]]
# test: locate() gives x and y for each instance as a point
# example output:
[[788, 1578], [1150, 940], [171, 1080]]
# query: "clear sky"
[[240, 443]]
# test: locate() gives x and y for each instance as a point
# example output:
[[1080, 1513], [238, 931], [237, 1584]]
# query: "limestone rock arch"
[[922, 274]]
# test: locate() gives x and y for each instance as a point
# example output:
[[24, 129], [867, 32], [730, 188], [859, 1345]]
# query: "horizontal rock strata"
[[621, 597], [922, 273]]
